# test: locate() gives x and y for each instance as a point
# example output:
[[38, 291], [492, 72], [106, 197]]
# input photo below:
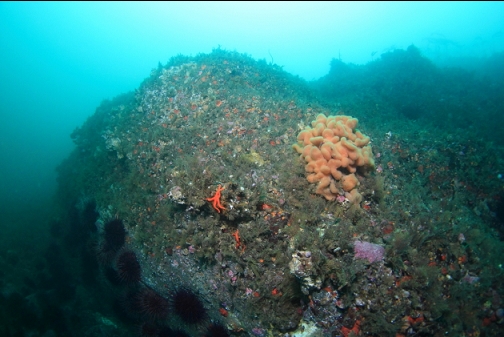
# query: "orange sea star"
[[216, 199]]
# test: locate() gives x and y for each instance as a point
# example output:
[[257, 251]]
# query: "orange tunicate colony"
[[333, 152]]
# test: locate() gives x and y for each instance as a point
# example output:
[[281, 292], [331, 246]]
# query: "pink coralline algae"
[[367, 250], [259, 332], [341, 198]]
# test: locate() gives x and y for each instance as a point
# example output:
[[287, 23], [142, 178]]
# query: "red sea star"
[[216, 199]]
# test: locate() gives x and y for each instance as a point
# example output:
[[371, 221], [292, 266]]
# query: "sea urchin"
[[153, 305], [128, 267], [188, 306]]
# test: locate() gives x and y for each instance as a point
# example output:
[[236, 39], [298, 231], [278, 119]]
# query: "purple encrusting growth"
[[367, 250]]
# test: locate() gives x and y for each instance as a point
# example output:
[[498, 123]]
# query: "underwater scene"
[[225, 196]]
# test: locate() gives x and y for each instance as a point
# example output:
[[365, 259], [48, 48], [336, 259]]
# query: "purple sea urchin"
[[105, 255], [128, 267], [188, 306], [153, 305]]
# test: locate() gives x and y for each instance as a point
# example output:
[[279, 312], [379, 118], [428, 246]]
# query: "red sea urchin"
[[153, 305], [188, 306], [128, 267]]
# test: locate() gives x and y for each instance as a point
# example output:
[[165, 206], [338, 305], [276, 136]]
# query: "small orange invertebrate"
[[462, 259], [354, 330], [218, 103], [237, 238], [276, 292], [265, 207], [223, 312], [414, 321]]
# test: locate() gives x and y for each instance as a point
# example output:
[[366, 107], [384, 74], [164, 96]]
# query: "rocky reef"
[[197, 165]]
